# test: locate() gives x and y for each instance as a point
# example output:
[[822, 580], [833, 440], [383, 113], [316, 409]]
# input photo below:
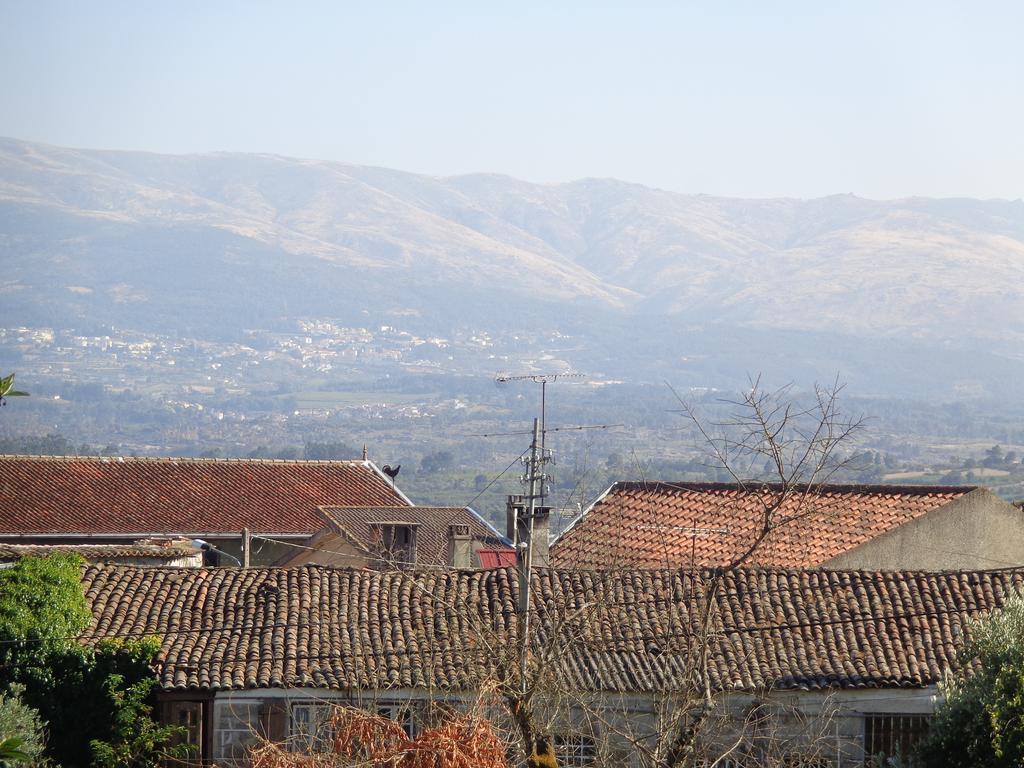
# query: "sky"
[[751, 99]]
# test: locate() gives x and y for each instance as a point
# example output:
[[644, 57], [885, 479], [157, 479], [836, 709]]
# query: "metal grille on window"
[[575, 751], [235, 727], [402, 713], [311, 728], [804, 761], [891, 736], [189, 716]]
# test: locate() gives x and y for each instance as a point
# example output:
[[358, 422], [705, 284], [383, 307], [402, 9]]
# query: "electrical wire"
[[965, 612], [497, 477]]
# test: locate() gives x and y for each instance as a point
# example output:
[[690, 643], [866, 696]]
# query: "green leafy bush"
[[981, 721], [136, 739], [97, 701], [21, 729]]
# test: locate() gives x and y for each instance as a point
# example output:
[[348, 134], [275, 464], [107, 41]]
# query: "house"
[[405, 537], [103, 500], [878, 527], [266, 650]]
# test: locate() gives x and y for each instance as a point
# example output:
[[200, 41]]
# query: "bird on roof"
[[390, 471]]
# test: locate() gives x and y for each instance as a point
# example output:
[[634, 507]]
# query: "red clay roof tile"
[[47, 494], [666, 525], [231, 628]]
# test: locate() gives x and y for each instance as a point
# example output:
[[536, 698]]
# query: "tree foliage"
[[7, 389], [96, 700], [981, 721], [41, 607], [136, 739], [21, 731], [11, 752]]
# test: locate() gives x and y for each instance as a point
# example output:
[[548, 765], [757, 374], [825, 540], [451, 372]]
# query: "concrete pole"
[[246, 546], [525, 558]]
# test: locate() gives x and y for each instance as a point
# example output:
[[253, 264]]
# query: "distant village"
[[316, 346], [211, 385], [801, 605]]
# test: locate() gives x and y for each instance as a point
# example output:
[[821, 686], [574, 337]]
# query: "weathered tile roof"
[[46, 494], [431, 532], [671, 525], [102, 552], [229, 628]]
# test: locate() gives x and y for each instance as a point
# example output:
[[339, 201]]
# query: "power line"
[[497, 477], [574, 428]]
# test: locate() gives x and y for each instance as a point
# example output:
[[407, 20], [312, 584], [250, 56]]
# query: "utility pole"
[[523, 512], [534, 479], [246, 546]]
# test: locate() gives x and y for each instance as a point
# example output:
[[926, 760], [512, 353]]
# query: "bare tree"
[[779, 450], [579, 620]]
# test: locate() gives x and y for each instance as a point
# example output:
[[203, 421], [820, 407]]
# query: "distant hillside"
[[210, 244]]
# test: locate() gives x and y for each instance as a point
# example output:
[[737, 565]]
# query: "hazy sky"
[[737, 98]]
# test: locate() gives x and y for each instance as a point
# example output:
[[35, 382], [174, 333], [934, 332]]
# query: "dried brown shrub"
[[371, 741], [267, 754], [365, 736], [461, 741]]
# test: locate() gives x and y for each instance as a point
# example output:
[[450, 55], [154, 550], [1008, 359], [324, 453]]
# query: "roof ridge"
[[863, 488], [394, 506], [169, 459], [834, 573]]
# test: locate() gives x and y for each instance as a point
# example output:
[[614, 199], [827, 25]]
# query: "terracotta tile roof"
[[665, 525], [103, 552], [46, 495], [432, 525], [229, 628]]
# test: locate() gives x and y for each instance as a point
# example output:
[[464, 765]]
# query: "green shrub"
[[981, 721], [21, 729], [97, 700]]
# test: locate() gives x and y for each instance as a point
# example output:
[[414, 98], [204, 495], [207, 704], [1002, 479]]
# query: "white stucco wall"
[[975, 532], [832, 720]]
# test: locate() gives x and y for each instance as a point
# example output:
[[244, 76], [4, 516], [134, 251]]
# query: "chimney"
[[461, 546], [518, 509], [513, 510]]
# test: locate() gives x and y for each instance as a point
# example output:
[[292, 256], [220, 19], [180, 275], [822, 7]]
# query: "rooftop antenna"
[[542, 379]]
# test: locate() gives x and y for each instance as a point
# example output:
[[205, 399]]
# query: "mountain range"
[[209, 244]]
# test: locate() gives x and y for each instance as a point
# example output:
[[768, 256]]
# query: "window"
[[236, 727], [888, 736], [575, 751], [188, 715], [402, 713], [310, 723], [310, 728]]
